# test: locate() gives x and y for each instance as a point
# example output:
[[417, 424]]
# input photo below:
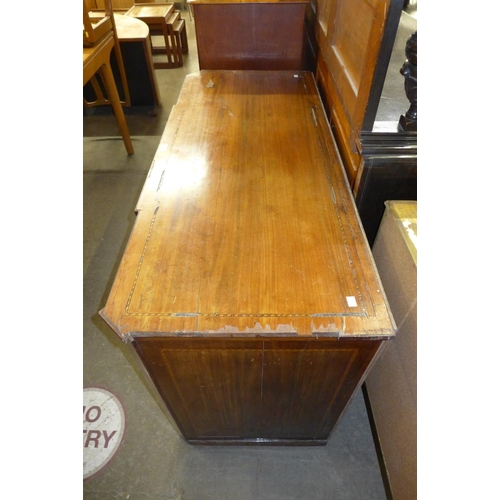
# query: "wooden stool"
[[163, 19], [180, 34], [178, 38]]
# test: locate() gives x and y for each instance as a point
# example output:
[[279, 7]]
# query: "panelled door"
[[349, 35]]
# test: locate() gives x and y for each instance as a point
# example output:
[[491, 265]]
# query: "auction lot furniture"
[[255, 34], [247, 287]]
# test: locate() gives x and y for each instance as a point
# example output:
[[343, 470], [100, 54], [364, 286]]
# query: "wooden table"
[[250, 34], [135, 43], [156, 17], [247, 287], [97, 58]]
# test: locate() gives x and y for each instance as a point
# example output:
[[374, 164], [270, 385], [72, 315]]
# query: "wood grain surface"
[[246, 224], [256, 391], [249, 35]]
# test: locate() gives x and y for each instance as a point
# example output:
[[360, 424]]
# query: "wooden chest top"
[[246, 224]]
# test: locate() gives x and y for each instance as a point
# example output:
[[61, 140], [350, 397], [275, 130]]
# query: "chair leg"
[[100, 98], [177, 47], [121, 66], [174, 44], [109, 81]]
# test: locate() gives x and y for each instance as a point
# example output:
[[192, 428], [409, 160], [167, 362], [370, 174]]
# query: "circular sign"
[[103, 428]]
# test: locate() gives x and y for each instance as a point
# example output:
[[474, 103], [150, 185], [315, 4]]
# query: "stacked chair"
[[94, 28], [99, 39]]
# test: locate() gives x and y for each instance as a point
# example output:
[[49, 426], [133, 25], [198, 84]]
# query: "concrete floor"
[[154, 461]]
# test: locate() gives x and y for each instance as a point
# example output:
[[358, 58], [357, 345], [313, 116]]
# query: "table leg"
[[167, 50], [152, 75]]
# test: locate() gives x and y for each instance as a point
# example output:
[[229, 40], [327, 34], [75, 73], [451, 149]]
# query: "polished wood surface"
[[152, 11], [256, 35], [247, 252], [130, 29], [246, 219]]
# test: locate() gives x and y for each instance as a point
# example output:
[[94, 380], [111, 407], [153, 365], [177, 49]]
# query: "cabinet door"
[[256, 390], [212, 388], [306, 385]]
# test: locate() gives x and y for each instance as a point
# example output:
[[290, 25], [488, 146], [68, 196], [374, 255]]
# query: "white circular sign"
[[103, 428]]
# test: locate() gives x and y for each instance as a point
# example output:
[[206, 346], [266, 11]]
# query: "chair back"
[[95, 28]]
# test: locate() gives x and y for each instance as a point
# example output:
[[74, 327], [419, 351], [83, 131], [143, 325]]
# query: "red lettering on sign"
[[107, 438], [95, 438], [90, 437], [97, 416]]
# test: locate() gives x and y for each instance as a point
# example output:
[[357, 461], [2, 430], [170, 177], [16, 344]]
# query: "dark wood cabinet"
[[247, 287], [388, 172]]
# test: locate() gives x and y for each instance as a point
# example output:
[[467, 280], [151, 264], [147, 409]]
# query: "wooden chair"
[[94, 29], [97, 60], [98, 22]]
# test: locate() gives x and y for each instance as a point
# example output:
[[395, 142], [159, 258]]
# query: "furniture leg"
[[168, 51], [184, 40], [109, 81]]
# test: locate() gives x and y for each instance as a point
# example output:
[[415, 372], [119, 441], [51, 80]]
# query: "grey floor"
[[154, 462]]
